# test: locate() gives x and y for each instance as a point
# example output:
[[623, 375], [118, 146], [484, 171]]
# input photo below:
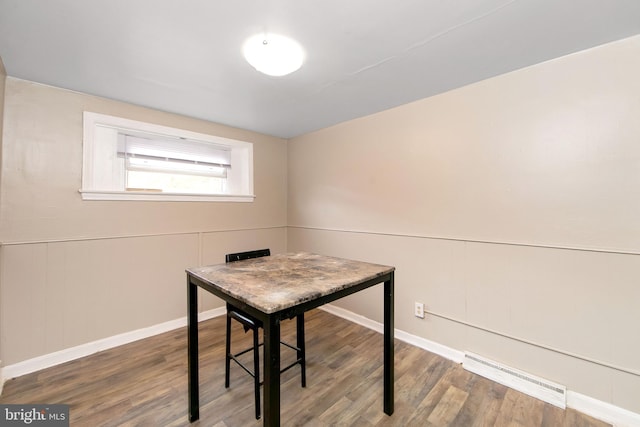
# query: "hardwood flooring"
[[145, 384]]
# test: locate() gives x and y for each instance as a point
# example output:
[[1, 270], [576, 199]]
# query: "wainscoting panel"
[[569, 316]]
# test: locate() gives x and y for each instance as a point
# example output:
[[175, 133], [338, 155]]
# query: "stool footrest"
[[250, 372]]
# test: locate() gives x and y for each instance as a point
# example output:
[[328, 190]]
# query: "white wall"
[[73, 271], [510, 207]]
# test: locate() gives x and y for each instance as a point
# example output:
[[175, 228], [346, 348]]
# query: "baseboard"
[[604, 411], [423, 343], [68, 354], [431, 346]]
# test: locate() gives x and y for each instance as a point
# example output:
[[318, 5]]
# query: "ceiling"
[[362, 56]]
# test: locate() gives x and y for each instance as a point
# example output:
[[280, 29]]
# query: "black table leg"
[[301, 345], [271, 372], [388, 346], [192, 351]]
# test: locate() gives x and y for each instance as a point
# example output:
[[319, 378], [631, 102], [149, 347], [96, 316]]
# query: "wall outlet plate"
[[418, 310]]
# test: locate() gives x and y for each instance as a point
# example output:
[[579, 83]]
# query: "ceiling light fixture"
[[273, 54]]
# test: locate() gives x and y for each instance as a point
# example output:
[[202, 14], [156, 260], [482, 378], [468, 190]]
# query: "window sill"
[[163, 197]]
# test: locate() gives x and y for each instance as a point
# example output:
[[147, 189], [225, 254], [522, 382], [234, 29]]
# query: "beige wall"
[[510, 207], [43, 166], [74, 271], [3, 78]]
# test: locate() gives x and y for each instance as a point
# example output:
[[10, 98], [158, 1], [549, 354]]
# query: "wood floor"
[[145, 384]]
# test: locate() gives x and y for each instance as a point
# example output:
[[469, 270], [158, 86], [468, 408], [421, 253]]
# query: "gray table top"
[[280, 281]]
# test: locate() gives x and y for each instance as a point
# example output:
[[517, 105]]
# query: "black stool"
[[250, 322]]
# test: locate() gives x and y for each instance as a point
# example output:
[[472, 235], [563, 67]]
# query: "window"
[[129, 160]]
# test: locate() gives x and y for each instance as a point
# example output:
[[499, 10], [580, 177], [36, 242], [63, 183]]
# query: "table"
[[280, 287]]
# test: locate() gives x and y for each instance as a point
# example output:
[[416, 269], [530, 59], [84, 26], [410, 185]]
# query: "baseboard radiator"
[[539, 388]]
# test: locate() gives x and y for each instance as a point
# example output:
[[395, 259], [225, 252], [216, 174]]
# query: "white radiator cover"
[[524, 382]]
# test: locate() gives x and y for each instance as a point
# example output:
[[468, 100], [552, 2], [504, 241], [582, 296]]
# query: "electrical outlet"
[[418, 310]]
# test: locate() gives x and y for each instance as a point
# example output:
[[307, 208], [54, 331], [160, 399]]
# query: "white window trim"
[[91, 120], [173, 197]]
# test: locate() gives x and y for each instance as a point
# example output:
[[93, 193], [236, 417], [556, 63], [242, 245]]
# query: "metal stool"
[[250, 322]]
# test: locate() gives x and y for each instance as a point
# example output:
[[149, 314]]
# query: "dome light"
[[273, 54]]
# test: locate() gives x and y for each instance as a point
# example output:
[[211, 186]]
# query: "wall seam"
[[536, 344], [135, 236], [460, 239]]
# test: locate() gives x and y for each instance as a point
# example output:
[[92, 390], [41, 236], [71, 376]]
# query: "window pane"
[[177, 167], [174, 183]]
